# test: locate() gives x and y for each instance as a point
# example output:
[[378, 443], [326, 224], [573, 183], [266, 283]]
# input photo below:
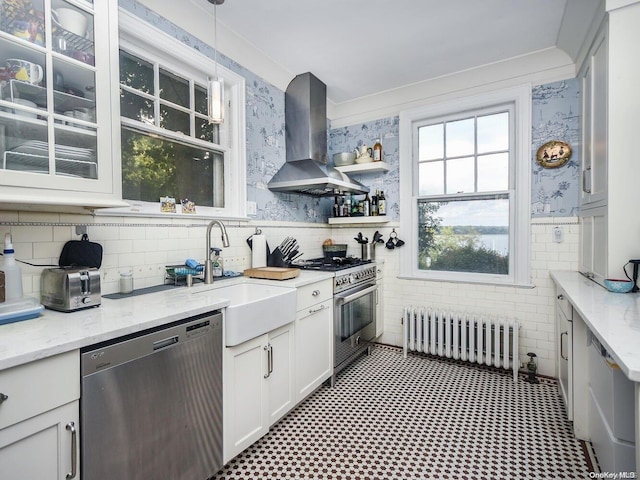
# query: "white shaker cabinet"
[[593, 80], [258, 387], [314, 337], [39, 419], [564, 347], [610, 75], [593, 243], [59, 111]]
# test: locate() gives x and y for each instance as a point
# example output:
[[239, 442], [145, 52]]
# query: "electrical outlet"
[[252, 208], [558, 235]]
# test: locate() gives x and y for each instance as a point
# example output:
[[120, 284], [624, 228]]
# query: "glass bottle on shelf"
[[374, 204], [382, 204], [377, 151]]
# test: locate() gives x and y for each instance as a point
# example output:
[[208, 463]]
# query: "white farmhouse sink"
[[255, 310]]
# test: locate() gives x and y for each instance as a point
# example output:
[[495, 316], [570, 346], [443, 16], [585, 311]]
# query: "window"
[[465, 189], [168, 146]]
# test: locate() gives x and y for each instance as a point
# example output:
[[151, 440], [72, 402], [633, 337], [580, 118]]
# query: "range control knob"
[[351, 278]]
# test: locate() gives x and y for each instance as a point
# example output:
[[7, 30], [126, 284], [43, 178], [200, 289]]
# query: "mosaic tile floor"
[[419, 418]]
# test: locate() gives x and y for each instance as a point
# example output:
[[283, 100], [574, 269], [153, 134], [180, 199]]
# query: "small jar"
[[126, 282]]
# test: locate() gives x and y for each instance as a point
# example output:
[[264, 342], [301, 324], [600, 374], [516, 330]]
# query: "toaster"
[[68, 289]]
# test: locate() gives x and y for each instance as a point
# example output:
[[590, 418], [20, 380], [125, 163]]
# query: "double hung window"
[[169, 148], [465, 174]]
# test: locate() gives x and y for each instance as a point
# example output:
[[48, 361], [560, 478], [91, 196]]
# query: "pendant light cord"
[[215, 37]]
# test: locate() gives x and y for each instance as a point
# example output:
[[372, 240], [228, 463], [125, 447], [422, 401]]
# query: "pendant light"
[[215, 84]]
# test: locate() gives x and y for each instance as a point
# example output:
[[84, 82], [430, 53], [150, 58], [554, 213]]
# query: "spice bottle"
[[377, 151]]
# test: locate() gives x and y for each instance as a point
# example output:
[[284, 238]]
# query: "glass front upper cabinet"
[[55, 97]]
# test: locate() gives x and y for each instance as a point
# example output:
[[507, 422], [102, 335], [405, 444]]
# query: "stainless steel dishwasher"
[[151, 403]]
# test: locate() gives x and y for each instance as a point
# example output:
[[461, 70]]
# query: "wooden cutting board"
[[272, 273]]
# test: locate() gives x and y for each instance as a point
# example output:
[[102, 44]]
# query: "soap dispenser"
[[12, 273], [217, 270]]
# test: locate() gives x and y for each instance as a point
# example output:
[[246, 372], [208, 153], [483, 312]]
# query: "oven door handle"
[[355, 296]]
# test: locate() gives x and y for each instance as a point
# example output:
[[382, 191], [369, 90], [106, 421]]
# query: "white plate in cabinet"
[[370, 167]]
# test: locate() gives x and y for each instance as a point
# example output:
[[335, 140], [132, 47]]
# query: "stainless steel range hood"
[[306, 170]]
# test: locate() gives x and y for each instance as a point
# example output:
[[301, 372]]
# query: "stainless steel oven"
[[354, 314]]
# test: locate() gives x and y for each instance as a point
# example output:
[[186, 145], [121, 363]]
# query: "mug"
[[71, 20], [24, 71], [29, 30]]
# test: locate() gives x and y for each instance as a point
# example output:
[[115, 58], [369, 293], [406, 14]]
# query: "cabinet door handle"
[[269, 350], [560, 297], [561, 349], [74, 460], [586, 180], [314, 310], [315, 293], [3, 397]]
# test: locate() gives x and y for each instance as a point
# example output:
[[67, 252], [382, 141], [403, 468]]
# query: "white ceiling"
[[364, 47]]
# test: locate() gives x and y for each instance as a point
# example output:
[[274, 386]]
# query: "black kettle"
[[635, 264]]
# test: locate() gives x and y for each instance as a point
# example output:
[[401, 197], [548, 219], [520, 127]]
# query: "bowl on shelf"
[[344, 159], [618, 285]]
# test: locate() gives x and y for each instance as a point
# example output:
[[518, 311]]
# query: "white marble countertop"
[[614, 318], [56, 332]]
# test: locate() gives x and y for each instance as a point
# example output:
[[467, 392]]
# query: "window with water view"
[[465, 193]]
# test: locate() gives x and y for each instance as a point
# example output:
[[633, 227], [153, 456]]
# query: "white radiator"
[[462, 336]]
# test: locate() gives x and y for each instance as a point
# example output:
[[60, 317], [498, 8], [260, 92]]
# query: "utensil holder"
[[368, 251]]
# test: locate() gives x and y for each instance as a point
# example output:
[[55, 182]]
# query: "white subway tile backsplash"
[[47, 249], [146, 246]]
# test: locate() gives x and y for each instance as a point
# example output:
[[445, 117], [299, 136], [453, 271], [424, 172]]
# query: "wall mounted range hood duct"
[[306, 170]]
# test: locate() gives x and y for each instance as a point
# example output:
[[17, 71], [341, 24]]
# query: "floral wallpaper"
[[346, 139], [555, 192], [264, 134]]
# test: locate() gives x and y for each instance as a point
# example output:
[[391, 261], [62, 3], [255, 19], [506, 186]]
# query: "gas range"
[[350, 272]]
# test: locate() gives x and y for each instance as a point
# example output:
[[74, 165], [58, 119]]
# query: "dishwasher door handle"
[[160, 344]]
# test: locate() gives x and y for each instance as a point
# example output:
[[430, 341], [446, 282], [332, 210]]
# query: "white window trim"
[[138, 36], [520, 241]]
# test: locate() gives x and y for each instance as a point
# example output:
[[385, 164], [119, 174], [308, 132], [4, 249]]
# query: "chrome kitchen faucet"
[[208, 264]]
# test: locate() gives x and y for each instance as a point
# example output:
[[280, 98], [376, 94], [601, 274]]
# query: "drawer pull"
[[315, 293], [314, 310], [74, 460], [560, 297], [3, 397]]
